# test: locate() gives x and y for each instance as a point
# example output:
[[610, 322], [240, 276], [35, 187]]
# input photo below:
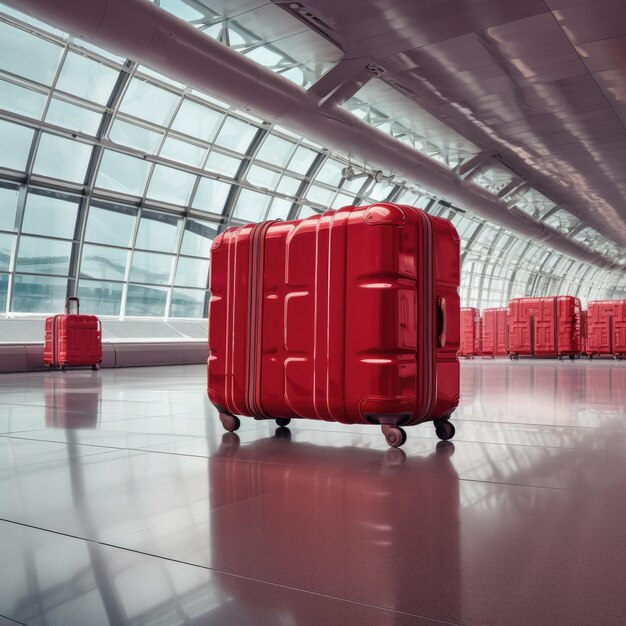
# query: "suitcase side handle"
[[441, 322], [72, 300]]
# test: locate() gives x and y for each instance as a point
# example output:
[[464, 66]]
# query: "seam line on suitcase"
[[427, 295], [255, 316]]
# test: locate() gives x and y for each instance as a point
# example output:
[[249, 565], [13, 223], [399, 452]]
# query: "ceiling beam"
[[143, 32], [343, 81]]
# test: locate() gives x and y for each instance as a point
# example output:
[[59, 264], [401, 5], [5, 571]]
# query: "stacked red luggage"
[[351, 316], [471, 332], [73, 339], [606, 328], [547, 327], [495, 335]]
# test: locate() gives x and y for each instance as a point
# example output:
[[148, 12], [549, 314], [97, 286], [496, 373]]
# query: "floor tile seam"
[[186, 438], [99, 411], [459, 419], [107, 449], [258, 496], [40, 462], [226, 573], [14, 621], [20, 432], [264, 462], [432, 476], [507, 484], [499, 423], [492, 443], [88, 445], [149, 449], [436, 441], [534, 445], [60, 406]]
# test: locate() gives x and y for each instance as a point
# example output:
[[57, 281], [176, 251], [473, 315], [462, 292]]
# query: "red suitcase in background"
[[73, 339], [568, 313], [548, 327], [495, 335], [351, 316], [471, 332], [606, 328]]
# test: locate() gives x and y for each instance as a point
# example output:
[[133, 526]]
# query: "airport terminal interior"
[[312, 312]]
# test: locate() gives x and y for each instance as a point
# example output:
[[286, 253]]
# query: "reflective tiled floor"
[[123, 501]]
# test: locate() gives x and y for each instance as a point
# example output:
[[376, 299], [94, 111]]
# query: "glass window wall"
[[138, 241]]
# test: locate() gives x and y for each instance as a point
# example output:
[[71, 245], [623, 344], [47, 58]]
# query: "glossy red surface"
[[351, 316], [544, 326], [73, 339], [606, 327], [495, 332], [156, 516], [471, 332]]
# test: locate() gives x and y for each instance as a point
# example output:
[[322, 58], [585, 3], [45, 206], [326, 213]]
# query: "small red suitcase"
[[471, 332], [606, 328], [495, 336], [548, 327], [73, 339], [351, 316]]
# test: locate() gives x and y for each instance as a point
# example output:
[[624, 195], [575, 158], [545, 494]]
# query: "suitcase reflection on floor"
[[72, 400], [334, 529], [546, 392]]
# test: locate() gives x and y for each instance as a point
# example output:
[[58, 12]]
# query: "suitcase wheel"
[[394, 435], [95, 367], [283, 421], [64, 366], [444, 429], [282, 433], [230, 422]]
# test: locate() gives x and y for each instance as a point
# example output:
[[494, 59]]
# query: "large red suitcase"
[[351, 316], [548, 327], [471, 332], [495, 335], [73, 339], [606, 328]]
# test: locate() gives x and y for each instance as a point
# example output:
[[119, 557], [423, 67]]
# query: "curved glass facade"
[[114, 180]]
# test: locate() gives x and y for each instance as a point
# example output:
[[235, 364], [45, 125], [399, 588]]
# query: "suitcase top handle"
[[72, 306]]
